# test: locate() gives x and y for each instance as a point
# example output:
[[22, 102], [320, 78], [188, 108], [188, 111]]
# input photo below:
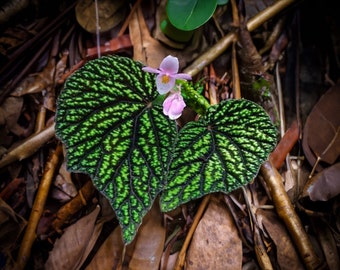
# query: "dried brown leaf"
[[110, 253], [216, 243], [328, 243], [150, 241], [321, 138], [10, 112], [11, 226], [287, 257], [145, 48], [324, 185], [71, 250]]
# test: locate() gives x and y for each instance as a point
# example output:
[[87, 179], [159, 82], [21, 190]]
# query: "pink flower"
[[173, 105], [167, 74]]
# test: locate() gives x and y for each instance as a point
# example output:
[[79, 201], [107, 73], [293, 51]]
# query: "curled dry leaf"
[[325, 117], [324, 185], [216, 243]]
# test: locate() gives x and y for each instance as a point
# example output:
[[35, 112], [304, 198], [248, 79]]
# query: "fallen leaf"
[[324, 185], [10, 112], [216, 243], [327, 241], [11, 225], [72, 248], [110, 14], [110, 253], [325, 117], [287, 257], [150, 241]]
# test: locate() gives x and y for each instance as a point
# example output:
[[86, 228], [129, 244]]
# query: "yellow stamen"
[[165, 79]]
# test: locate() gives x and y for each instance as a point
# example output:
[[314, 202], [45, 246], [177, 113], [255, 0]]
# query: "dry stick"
[[264, 15], [236, 76], [28, 147], [38, 207], [259, 247], [128, 19], [40, 121], [78, 202], [287, 213]]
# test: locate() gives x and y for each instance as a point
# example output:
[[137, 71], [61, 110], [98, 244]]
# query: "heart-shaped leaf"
[[109, 119], [220, 152], [114, 133]]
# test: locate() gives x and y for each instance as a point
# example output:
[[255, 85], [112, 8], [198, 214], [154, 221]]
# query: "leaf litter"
[[84, 225]]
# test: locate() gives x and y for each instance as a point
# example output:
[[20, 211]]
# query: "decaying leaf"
[[110, 253], [324, 185], [326, 238], [11, 225], [110, 14], [216, 243], [287, 257], [150, 240], [321, 138], [71, 250], [10, 112]]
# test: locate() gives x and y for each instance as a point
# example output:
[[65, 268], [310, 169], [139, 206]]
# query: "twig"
[[287, 213], [38, 207], [127, 21], [28, 147], [234, 64], [259, 247], [66, 211], [209, 56]]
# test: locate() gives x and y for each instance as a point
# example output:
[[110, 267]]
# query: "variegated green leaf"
[[114, 133], [220, 152]]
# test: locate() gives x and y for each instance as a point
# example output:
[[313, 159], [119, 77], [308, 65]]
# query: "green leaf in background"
[[220, 152], [114, 133], [222, 2], [190, 14]]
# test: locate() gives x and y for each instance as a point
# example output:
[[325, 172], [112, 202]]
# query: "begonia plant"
[[115, 130]]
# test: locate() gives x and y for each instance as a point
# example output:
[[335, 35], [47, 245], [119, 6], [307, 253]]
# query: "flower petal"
[[150, 69], [183, 76], [169, 65], [163, 87]]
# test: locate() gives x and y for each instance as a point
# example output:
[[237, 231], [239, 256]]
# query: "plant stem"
[[195, 101]]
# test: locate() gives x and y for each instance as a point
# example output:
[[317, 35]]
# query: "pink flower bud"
[[173, 105]]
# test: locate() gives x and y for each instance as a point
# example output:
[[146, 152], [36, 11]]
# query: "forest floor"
[[288, 217]]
